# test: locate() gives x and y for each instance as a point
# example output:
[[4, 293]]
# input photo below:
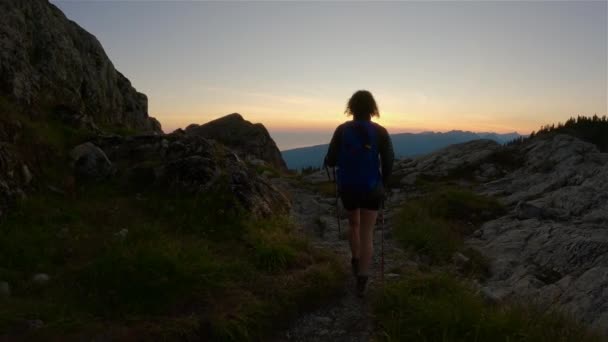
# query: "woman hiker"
[[362, 151]]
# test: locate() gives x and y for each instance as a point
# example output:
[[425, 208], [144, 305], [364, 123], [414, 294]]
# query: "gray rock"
[[72, 73], [553, 244], [410, 179], [90, 162], [193, 165], [122, 234], [27, 175], [392, 276], [525, 211], [252, 140], [490, 296], [257, 162], [460, 259], [41, 278], [455, 157]]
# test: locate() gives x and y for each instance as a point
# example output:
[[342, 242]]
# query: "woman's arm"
[[331, 159], [387, 155]]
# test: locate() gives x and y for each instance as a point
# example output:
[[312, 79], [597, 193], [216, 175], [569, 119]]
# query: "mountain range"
[[404, 144]]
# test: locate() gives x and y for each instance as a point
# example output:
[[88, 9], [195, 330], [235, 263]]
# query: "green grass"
[[436, 224], [439, 307], [326, 189], [188, 267], [433, 305], [270, 170]]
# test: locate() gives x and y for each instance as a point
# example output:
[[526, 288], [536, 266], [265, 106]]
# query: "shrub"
[[438, 307], [436, 224]]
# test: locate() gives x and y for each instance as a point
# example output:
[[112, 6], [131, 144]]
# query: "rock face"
[[445, 161], [552, 245], [245, 138], [49, 62], [192, 165]]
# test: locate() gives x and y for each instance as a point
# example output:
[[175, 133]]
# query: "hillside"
[[482, 242], [546, 248], [404, 144], [111, 230]]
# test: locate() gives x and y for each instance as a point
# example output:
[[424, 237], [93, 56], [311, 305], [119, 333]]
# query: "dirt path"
[[348, 318]]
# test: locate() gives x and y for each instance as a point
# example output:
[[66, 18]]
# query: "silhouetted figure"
[[363, 153]]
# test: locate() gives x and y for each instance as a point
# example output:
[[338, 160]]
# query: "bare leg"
[[368, 220], [354, 236]]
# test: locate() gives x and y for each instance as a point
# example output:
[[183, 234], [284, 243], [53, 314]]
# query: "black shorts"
[[369, 201]]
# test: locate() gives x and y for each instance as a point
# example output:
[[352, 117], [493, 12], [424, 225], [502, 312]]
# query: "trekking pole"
[[382, 243], [337, 205]]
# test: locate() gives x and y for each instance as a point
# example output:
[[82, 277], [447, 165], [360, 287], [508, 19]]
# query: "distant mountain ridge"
[[405, 145]]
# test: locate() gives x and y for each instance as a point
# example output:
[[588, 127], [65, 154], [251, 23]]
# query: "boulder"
[[451, 159], [191, 164], [90, 162], [27, 175], [247, 139], [41, 279]]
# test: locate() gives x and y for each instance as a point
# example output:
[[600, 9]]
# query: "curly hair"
[[362, 106]]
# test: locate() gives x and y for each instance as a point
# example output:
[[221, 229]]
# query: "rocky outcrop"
[[17, 169], [247, 139], [445, 161], [552, 245], [192, 165], [49, 62]]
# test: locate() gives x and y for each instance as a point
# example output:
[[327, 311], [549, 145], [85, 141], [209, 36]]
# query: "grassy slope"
[[438, 304], [187, 267], [183, 261]]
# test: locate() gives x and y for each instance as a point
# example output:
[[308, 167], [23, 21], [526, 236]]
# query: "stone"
[[551, 244], [410, 179], [41, 278], [244, 137], [525, 211], [27, 175], [460, 259], [192, 164], [454, 158], [73, 75], [489, 296], [392, 276], [257, 162], [90, 162], [121, 234]]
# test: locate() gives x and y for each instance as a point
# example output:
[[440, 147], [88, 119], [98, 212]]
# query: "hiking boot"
[[354, 263], [361, 285]]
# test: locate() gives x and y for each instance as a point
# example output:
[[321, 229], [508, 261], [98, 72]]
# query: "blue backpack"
[[358, 161]]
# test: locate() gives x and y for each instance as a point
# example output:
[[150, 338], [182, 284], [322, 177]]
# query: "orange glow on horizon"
[[395, 123]]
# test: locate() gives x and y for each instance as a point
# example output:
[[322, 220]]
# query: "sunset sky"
[[474, 65]]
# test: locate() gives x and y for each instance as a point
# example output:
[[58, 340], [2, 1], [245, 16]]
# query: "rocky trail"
[[347, 318]]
